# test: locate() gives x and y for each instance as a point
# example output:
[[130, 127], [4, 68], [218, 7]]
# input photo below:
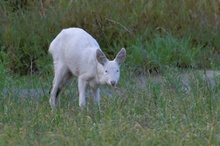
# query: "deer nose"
[[113, 83]]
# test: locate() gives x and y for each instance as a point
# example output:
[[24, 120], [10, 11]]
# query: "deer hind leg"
[[61, 77]]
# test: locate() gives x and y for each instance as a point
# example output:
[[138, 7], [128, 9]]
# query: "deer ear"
[[120, 57], [100, 56]]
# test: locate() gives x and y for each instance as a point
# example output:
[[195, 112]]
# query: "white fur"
[[77, 53]]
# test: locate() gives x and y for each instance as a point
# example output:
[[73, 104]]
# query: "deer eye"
[[106, 71], [117, 70]]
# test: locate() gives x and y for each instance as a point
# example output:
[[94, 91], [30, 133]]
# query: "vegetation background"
[[156, 33], [162, 36]]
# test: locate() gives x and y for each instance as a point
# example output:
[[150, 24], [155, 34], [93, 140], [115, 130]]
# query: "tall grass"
[[153, 113], [157, 34], [28, 27], [4, 71], [164, 51]]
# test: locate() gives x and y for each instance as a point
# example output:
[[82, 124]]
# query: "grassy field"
[[148, 109], [138, 113], [155, 33]]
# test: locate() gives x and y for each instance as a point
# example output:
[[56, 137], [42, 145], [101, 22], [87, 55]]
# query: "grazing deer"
[[77, 53]]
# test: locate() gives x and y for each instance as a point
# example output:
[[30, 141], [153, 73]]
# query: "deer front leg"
[[82, 84], [96, 95]]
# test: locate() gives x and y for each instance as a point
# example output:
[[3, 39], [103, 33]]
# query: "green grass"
[[150, 114], [157, 35], [159, 30]]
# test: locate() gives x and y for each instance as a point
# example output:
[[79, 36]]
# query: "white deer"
[[77, 53]]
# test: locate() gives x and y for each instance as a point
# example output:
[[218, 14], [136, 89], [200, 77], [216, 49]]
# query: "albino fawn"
[[75, 52]]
